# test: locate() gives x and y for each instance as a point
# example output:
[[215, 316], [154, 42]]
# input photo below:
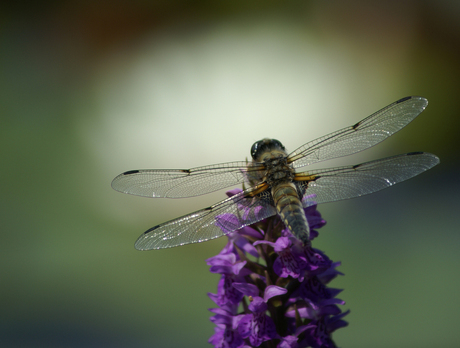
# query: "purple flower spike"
[[290, 261], [232, 271], [257, 326], [273, 289], [226, 331]]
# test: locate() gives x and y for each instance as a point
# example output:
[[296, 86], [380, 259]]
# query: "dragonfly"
[[276, 182]]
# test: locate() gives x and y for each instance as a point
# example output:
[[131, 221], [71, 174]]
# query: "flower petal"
[[273, 290], [247, 289]]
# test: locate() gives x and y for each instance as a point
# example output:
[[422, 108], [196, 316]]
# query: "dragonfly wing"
[[177, 183], [362, 135], [218, 220], [335, 184]]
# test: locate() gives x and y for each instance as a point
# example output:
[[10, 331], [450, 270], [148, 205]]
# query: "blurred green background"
[[91, 89]]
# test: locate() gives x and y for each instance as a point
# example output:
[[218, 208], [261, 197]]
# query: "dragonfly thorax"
[[278, 170]]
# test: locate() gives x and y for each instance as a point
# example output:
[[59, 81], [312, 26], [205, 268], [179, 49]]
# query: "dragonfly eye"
[[265, 145], [277, 144]]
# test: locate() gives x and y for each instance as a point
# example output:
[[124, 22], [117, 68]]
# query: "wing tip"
[[116, 181], [428, 154], [145, 243], [415, 98], [149, 241]]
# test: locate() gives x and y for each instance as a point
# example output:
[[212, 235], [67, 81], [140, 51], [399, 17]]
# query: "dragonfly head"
[[265, 145]]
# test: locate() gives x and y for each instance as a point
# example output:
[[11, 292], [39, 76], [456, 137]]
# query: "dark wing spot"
[[403, 99], [129, 172], [151, 229], [356, 166], [356, 125], [208, 208], [414, 153], [185, 171]]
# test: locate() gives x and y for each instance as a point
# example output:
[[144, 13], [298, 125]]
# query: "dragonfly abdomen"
[[289, 208]]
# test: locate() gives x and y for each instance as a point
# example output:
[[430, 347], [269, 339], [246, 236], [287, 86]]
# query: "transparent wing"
[[218, 220], [335, 184], [362, 135], [177, 183]]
